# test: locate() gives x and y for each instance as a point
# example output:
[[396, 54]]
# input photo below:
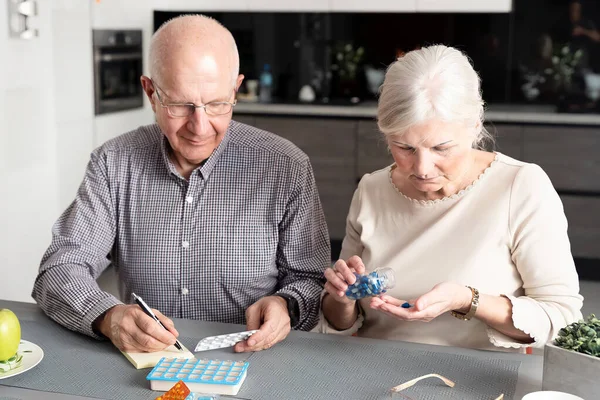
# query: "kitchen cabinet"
[[207, 5], [569, 155], [278, 5], [244, 119], [583, 216], [373, 6], [508, 139], [463, 6], [372, 153]]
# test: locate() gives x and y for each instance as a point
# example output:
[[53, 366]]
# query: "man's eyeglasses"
[[182, 110]]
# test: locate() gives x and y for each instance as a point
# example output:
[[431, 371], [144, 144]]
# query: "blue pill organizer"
[[201, 376]]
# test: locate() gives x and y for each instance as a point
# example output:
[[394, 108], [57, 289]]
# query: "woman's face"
[[434, 156]]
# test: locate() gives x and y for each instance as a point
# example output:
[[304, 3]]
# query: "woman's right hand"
[[340, 276]]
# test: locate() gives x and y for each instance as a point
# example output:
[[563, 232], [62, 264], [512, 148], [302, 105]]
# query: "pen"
[[149, 312]]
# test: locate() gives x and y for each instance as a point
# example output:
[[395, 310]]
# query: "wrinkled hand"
[[444, 297], [270, 316], [130, 329], [342, 275]]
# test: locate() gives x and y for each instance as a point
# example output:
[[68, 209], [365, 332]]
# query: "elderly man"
[[203, 217]]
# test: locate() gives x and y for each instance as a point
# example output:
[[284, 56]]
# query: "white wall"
[[73, 94], [28, 169], [46, 132]]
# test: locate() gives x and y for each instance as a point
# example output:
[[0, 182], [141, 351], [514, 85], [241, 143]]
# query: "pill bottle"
[[373, 284]]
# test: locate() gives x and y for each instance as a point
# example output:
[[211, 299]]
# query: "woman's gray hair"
[[435, 82]]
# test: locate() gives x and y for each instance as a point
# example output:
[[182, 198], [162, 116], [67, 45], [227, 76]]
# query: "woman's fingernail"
[[406, 305], [251, 342]]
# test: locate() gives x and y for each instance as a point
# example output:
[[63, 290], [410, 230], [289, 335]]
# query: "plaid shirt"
[[248, 223]]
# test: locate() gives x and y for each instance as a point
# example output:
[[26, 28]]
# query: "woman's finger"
[[344, 271], [356, 263], [334, 291], [335, 280]]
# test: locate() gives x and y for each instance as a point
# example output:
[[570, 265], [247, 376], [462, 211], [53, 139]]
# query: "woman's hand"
[[444, 297], [342, 275]]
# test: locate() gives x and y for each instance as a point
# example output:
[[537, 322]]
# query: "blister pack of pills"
[[222, 341]]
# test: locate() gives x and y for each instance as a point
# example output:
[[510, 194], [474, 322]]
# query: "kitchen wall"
[[40, 142]]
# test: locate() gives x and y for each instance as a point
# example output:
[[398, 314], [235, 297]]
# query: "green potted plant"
[[572, 360], [346, 64], [565, 62]]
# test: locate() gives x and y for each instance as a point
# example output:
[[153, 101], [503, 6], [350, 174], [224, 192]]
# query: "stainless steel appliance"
[[117, 70]]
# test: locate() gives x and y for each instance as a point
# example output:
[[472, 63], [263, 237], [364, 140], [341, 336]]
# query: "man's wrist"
[[99, 326], [292, 306]]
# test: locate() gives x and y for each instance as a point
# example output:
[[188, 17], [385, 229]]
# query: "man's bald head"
[[189, 35]]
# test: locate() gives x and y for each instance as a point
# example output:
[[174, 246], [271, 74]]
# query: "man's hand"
[[270, 316], [130, 329]]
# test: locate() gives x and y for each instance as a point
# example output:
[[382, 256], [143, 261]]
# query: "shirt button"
[[185, 244], [184, 290], [189, 199]]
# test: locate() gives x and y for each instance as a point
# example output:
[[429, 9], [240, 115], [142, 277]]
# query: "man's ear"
[[238, 82], [149, 90]]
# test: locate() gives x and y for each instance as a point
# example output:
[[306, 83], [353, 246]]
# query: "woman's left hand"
[[444, 297]]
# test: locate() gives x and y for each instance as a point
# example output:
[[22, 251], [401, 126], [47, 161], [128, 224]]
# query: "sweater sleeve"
[[350, 246], [541, 251]]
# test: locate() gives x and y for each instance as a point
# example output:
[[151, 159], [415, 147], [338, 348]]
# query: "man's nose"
[[199, 121]]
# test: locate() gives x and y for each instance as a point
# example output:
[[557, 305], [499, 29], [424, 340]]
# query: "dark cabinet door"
[[372, 151], [331, 146], [569, 155]]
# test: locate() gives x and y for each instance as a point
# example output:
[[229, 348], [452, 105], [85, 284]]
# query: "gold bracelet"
[[472, 310]]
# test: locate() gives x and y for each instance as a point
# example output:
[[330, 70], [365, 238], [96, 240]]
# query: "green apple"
[[10, 334]]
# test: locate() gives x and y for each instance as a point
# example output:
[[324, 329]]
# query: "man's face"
[[199, 80]]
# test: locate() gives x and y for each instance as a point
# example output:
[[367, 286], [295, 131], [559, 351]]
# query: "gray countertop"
[[63, 347], [535, 114]]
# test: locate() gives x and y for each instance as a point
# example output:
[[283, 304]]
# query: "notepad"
[[149, 360]]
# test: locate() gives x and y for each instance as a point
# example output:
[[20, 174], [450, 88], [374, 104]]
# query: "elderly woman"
[[477, 240]]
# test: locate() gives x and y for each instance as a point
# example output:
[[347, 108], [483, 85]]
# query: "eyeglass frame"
[[191, 106]]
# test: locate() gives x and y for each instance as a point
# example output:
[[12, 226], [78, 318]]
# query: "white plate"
[[32, 355], [550, 395]]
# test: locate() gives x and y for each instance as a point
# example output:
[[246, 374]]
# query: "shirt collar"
[[207, 165]]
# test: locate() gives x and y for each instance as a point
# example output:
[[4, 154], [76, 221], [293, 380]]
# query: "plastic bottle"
[[373, 284], [266, 85]]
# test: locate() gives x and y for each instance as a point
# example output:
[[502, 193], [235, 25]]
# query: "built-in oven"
[[117, 70]]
